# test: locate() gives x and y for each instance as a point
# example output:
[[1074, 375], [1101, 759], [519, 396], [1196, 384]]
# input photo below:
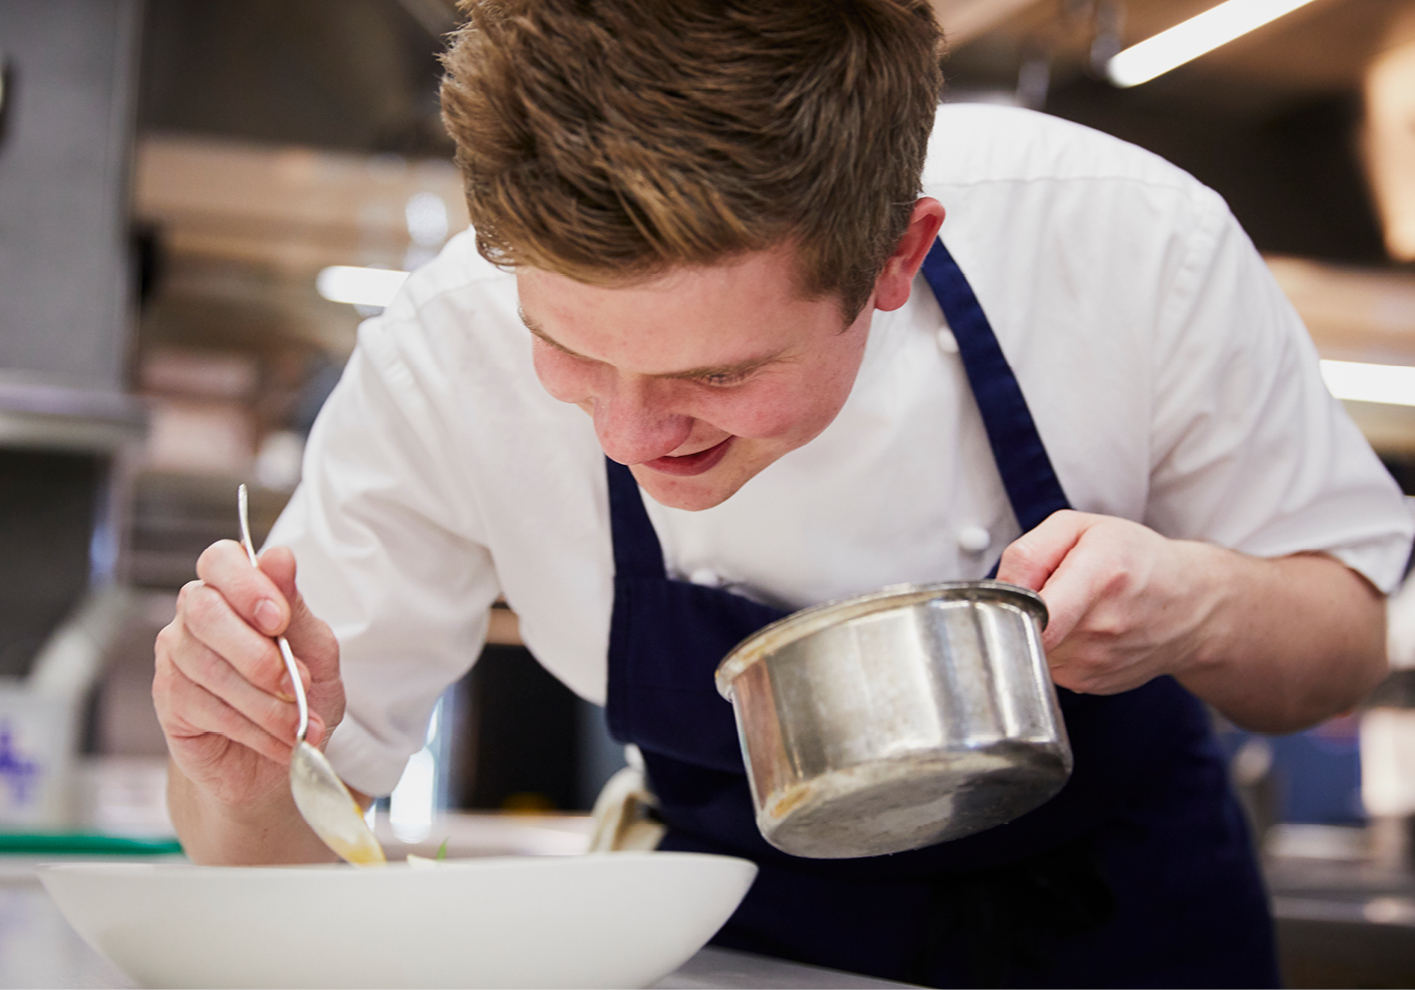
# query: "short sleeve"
[[1249, 449]]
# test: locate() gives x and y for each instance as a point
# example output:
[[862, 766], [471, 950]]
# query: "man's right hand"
[[222, 692]]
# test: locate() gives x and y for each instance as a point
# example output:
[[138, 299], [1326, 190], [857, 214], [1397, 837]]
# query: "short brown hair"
[[612, 140]]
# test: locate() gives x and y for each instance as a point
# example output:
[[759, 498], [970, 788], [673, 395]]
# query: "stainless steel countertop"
[[39, 949], [1343, 922]]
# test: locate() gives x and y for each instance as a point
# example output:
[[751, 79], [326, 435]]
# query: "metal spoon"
[[324, 802]]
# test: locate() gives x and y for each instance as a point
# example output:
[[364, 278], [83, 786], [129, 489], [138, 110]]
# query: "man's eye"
[[724, 380], [559, 352]]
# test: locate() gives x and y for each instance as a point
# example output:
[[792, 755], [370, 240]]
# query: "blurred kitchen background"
[[201, 199]]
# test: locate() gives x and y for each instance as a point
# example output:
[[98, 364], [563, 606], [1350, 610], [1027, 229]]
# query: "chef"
[[747, 322]]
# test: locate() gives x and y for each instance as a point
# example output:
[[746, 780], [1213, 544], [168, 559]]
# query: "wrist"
[[259, 828], [1210, 607]]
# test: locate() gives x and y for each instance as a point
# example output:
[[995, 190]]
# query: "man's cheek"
[[764, 418]]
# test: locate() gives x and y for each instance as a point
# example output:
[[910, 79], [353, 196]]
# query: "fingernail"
[[286, 691], [267, 614]]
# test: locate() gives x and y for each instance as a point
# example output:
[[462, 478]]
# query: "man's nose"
[[635, 425]]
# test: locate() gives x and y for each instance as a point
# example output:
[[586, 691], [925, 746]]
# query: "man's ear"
[[893, 285]]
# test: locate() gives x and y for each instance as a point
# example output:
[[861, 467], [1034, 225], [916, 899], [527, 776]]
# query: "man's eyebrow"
[[538, 331], [725, 370], [721, 371]]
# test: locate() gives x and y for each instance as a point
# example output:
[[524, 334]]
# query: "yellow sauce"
[[366, 852]]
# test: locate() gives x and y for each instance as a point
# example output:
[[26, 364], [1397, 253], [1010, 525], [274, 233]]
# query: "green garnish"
[[441, 851]]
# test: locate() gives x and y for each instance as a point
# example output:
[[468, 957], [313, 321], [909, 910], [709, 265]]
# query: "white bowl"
[[605, 920]]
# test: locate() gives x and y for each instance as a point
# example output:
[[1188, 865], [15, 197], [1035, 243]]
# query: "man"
[[701, 224]]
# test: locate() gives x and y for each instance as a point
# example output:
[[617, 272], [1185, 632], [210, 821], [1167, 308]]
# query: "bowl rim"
[[449, 866], [813, 619]]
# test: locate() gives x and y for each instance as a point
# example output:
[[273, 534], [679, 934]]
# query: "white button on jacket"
[[706, 578], [973, 539]]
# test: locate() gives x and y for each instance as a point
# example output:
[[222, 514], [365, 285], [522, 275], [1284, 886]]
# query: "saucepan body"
[[901, 718]]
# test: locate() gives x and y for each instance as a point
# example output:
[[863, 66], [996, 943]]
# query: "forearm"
[[1285, 642], [262, 832]]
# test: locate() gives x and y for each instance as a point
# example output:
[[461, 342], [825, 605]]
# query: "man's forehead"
[[757, 358], [748, 290]]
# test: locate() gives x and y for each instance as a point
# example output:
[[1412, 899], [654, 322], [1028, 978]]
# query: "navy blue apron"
[[1139, 873]]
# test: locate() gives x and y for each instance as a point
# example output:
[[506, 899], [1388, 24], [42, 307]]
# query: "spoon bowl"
[[325, 804]]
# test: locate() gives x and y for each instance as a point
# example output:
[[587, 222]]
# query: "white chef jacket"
[[1170, 379]]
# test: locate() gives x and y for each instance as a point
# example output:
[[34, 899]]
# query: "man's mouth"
[[691, 464]]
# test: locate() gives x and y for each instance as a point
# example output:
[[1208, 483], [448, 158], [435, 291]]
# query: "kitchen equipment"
[[1387, 754], [896, 719], [624, 813], [42, 714], [622, 920], [324, 802], [84, 844]]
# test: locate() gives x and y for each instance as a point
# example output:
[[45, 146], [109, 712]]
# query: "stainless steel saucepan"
[[898, 719]]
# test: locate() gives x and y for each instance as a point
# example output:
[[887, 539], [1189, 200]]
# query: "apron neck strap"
[[637, 552], [1027, 474]]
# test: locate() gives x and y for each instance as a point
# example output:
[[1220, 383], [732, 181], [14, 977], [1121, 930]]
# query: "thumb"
[[278, 564]]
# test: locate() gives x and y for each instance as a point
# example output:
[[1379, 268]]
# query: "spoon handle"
[[242, 500]]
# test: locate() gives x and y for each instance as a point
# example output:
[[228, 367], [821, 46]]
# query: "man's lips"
[[691, 464]]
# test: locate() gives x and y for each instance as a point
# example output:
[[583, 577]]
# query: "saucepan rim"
[[798, 625]]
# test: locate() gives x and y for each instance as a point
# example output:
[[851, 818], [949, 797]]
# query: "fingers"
[[1031, 558], [1104, 633], [203, 713], [189, 710], [221, 687], [197, 692], [209, 618], [213, 673], [266, 598], [1071, 593], [249, 590], [310, 637], [1042, 560], [1054, 560], [278, 564]]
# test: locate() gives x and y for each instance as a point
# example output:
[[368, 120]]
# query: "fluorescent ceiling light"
[[1190, 39], [361, 286], [1388, 383]]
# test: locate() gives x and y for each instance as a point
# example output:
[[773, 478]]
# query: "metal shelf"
[[37, 414]]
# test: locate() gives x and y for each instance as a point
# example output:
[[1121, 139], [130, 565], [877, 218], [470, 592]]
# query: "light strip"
[[1189, 39], [1391, 384], [361, 286]]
